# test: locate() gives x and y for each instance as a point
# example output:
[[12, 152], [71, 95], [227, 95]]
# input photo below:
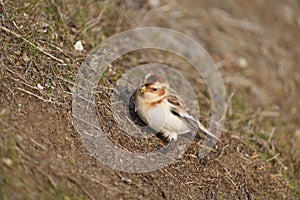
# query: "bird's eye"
[[154, 89]]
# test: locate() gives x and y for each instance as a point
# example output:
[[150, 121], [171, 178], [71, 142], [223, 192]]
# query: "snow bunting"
[[163, 110]]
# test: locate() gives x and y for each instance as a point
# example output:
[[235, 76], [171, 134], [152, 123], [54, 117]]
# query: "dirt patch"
[[42, 155]]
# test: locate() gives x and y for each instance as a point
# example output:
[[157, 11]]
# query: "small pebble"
[[154, 3], [25, 57], [78, 46], [7, 161], [242, 62], [39, 86], [19, 138]]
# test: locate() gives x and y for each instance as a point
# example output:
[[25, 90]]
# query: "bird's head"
[[154, 87]]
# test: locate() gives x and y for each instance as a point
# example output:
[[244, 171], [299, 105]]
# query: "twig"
[[223, 149], [247, 192], [163, 169], [32, 87], [104, 185], [15, 73], [26, 84], [16, 26], [8, 88], [60, 14], [38, 144], [229, 104], [59, 49], [239, 139], [48, 177], [243, 157], [97, 20], [271, 134], [274, 157], [41, 98], [209, 148], [269, 114], [35, 46], [3, 6], [228, 175], [229, 100]]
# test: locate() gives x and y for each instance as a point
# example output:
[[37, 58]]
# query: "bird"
[[162, 109]]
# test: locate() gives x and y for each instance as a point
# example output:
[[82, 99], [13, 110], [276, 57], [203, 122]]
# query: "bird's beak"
[[143, 89]]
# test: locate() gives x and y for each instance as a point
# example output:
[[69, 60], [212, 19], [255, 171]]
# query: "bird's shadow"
[[140, 123]]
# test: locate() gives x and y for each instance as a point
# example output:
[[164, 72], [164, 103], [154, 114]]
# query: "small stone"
[[78, 46], [242, 62], [297, 133], [25, 57], [18, 138], [2, 112], [154, 3], [39, 86], [7, 161]]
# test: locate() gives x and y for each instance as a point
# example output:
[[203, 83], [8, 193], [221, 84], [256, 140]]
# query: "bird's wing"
[[178, 108]]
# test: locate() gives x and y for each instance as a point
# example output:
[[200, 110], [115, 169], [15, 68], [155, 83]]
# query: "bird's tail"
[[206, 131]]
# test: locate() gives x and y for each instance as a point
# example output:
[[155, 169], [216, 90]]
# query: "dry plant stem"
[[228, 175], [274, 157], [60, 13], [9, 89], [3, 6], [40, 98], [54, 185], [97, 20], [243, 157], [271, 135], [26, 84], [206, 147], [17, 74], [100, 183], [30, 43], [59, 49], [38, 144], [221, 153]]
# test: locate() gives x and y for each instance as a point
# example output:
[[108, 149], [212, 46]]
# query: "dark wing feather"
[[180, 110]]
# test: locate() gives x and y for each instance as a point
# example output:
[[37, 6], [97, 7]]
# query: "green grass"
[[31, 51], [222, 196]]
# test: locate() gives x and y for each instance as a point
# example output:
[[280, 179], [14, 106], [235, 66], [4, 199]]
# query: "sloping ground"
[[43, 157]]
